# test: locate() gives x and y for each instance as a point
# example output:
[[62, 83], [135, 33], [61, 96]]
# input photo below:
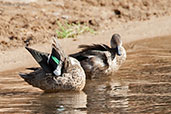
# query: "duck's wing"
[[99, 47], [57, 50], [41, 58], [92, 57], [86, 50], [100, 56], [91, 50], [57, 58]]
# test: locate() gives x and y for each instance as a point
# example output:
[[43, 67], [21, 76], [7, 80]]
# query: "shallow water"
[[141, 86]]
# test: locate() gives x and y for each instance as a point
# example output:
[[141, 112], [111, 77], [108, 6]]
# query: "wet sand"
[[142, 85]]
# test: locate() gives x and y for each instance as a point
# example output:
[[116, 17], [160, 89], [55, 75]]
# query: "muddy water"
[[141, 86]]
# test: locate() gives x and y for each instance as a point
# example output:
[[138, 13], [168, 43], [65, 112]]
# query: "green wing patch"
[[55, 59]]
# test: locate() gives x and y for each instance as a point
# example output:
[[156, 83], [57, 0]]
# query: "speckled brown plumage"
[[101, 60], [72, 77]]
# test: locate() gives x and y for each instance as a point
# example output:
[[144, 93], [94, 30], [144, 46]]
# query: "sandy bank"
[[131, 31]]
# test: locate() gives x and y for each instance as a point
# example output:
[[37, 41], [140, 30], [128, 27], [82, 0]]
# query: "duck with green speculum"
[[58, 71], [100, 60]]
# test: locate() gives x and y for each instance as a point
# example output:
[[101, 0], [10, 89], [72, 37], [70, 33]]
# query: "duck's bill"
[[119, 51]]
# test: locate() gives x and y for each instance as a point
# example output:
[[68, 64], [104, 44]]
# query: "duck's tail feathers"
[[25, 76], [33, 68], [30, 79], [41, 58]]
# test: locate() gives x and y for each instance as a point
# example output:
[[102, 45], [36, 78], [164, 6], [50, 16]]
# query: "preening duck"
[[58, 71]]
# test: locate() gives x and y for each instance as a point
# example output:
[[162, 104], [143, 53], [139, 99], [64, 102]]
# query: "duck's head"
[[116, 43]]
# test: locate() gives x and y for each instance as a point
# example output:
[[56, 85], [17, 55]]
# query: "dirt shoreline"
[[135, 30], [38, 20]]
